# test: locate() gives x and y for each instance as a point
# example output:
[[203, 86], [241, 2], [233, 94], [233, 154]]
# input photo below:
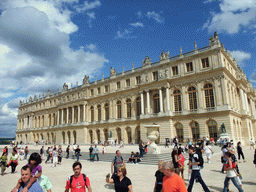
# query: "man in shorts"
[[78, 181], [118, 160]]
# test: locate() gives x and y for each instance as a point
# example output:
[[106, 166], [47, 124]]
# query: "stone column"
[[79, 115], [246, 102], [67, 115], [242, 99], [84, 113], [224, 91], [110, 109], [184, 99], [142, 102], [253, 107], [217, 94], [161, 99], [148, 102], [58, 121], [101, 135], [73, 114], [62, 116], [168, 98]]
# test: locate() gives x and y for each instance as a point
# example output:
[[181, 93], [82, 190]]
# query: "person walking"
[[59, 155], [90, 153], [77, 153], [251, 144], [26, 152], [3, 162], [181, 163], [54, 157], [13, 161], [122, 183], [78, 181], [175, 160], [231, 173], [240, 152], [208, 151], [172, 181], [254, 160], [195, 161], [67, 151], [141, 148], [95, 153], [118, 160], [42, 152]]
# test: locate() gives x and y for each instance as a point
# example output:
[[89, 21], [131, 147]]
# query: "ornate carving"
[[113, 72], [30, 99], [164, 55], [144, 78], [214, 40], [166, 73], [65, 87], [146, 61], [195, 45], [86, 80], [48, 94]]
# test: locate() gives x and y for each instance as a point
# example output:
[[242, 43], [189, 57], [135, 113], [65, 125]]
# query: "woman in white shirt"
[[208, 152]]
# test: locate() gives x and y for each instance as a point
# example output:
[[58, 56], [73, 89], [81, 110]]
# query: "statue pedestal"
[[153, 135], [224, 136]]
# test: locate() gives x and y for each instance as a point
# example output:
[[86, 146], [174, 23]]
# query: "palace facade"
[[189, 95]]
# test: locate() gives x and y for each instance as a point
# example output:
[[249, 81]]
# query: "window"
[[50, 103], [129, 108], [106, 88], [205, 62], [92, 113], [195, 130], [106, 111], [209, 98], [192, 98], [155, 75], [177, 100], [179, 131], [175, 70], [138, 80], [138, 106], [99, 112], [91, 92], [98, 90], [119, 109], [127, 82], [189, 66], [118, 85], [156, 103], [212, 126]]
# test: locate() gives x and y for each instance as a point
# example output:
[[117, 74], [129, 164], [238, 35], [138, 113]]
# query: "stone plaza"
[[142, 176]]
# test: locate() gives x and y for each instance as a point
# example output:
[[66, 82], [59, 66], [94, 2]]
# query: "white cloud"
[[6, 95], [138, 24], [88, 6], [122, 35], [233, 16], [241, 56], [155, 16]]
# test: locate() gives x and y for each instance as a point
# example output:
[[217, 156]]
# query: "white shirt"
[[195, 167], [207, 149]]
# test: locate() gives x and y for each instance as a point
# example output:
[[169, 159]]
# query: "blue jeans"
[[141, 152], [77, 156], [196, 175], [96, 154], [233, 179]]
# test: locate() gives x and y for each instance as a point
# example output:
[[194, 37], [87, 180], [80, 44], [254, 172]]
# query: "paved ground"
[[142, 176]]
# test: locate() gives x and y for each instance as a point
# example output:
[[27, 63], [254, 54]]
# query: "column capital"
[[147, 90], [159, 88]]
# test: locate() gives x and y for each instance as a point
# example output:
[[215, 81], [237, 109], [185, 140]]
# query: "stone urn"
[[153, 134]]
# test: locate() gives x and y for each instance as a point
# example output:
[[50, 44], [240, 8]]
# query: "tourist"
[[3, 162], [122, 183], [118, 160], [26, 152], [91, 153], [195, 161], [60, 155], [208, 152], [172, 181], [181, 163], [48, 155], [73, 150], [78, 181], [251, 144], [42, 152], [104, 150], [54, 157], [137, 156], [45, 183], [6, 150], [175, 141], [13, 161], [26, 175], [231, 173], [223, 158], [132, 157], [22, 153], [240, 151], [254, 160], [141, 148], [167, 141], [77, 152], [95, 153], [67, 151], [115, 142], [159, 177], [175, 160]]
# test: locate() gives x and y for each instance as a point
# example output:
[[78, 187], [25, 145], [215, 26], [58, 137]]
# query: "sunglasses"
[[119, 171]]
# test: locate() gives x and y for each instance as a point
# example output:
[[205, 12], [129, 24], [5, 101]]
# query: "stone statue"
[[35, 97], [146, 61], [48, 94], [160, 74], [110, 134], [113, 72], [164, 55], [223, 128], [195, 45], [65, 87], [180, 50], [86, 80], [166, 73], [30, 99], [214, 40]]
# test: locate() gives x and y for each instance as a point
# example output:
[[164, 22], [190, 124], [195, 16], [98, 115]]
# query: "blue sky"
[[44, 44]]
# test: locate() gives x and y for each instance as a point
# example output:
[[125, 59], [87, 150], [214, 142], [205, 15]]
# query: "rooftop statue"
[[86, 80], [65, 87], [113, 72], [146, 61], [164, 55]]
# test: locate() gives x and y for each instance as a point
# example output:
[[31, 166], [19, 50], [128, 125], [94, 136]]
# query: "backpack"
[[71, 179], [201, 159], [116, 159]]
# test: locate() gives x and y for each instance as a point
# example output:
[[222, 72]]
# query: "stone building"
[[189, 95]]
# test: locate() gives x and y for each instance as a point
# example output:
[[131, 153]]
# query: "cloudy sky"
[[46, 43]]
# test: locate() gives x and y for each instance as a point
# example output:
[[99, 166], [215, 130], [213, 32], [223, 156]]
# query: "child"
[[159, 177], [36, 169]]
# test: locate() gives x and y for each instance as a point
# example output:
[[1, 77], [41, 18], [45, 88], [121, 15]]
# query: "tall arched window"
[[129, 108], [209, 98], [192, 98], [195, 130], [119, 109], [92, 113], [99, 112], [212, 126], [177, 100], [138, 106], [156, 103], [179, 131], [106, 112]]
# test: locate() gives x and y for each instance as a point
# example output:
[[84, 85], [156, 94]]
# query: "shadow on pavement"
[[216, 171], [248, 183], [109, 186], [215, 188]]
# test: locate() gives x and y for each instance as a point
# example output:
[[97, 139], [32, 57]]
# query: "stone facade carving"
[[65, 87], [48, 94], [86, 80], [146, 61], [164, 55], [113, 72], [214, 40]]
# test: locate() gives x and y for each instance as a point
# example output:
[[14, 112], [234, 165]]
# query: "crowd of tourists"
[[169, 176]]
